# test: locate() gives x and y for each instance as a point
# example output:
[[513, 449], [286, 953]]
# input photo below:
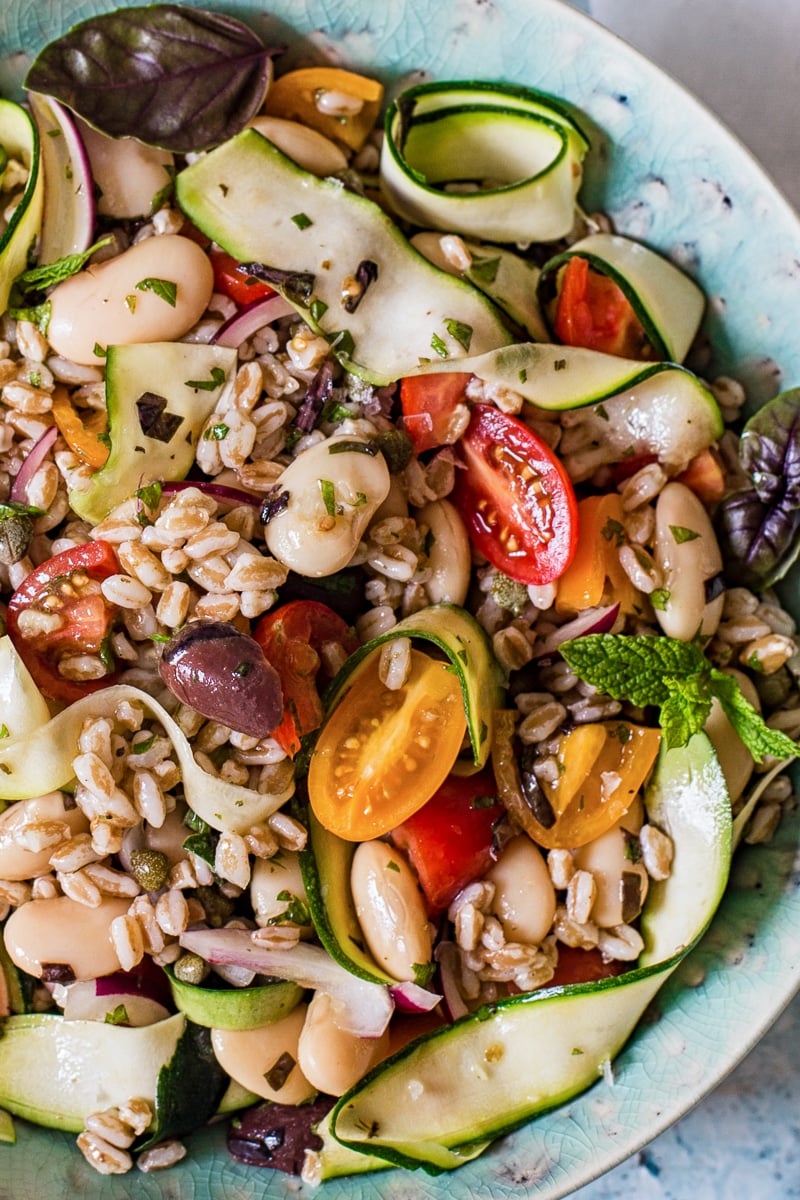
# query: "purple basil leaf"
[[759, 527], [172, 76]]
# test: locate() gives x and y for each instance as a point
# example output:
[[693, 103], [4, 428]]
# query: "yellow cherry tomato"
[[383, 753]]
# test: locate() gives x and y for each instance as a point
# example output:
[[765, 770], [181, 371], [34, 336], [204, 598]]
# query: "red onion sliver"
[[220, 491], [359, 1007], [411, 998], [244, 324], [447, 958], [593, 620], [36, 456], [69, 213]]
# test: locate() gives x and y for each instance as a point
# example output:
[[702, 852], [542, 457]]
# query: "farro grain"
[[158, 1158], [656, 847], [621, 942], [291, 833], [105, 1158], [108, 1125], [125, 591], [79, 887]]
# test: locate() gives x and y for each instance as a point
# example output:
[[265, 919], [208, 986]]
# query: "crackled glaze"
[[668, 173]]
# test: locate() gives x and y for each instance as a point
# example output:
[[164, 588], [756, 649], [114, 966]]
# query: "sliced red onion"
[[592, 620], [411, 998], [244, 324], [220, 491], [87, 1001], [447, 958], [69, 212], [36, 456], [361, 1008]]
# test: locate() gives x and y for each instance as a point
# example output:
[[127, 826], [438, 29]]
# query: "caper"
[[191, 968], [149, 868], [16, 531]]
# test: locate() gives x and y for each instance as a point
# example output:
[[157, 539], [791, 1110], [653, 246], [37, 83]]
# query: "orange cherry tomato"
[[383, 752]]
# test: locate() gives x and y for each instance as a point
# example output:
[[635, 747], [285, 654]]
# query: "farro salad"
[[391, 660]]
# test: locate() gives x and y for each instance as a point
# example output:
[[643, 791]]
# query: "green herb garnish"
[[208, 385], [165, 289]]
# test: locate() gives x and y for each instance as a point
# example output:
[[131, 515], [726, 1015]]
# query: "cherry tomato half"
[[67, 586], [232, 281], [383, 752], [584, 966], [429, 403], [449, 839], [593, 311], [515, 498], [292, 638]]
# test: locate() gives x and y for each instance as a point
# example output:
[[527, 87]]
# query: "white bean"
[[607, 859], [249, 1056], [123, 301], [270, 878], [61, 930], [390, 909], [332, 497], [329, 1057], [524, 897], [735, 759], [448, 553], [307, 147], [688, 555], [128, 174], [16, 862]]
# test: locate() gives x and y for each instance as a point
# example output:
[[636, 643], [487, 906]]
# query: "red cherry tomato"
[[515, 498], [593, 311], [449, 839], [234, 282], [583, 966], [291, 638], [66, 586], [428, 403]]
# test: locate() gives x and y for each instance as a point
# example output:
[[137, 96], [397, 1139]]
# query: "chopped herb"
[[659, 599], [396, 447], [391, 865], [38, 315], [342, 343], [301, 220], [119, 1016], [352, 446], [99, 350], [602, 412], [208, 385], [165, 289], [335, 412], [150, 494], [423, 973], [328, 496], [243, 669], [438, 346], [483, 270], [160, 637], [577, 1050], [216, 433], [317, 309], [35, 379], [458, 330], [141, 747], [633, 849], [560, 364], [130, 302], [280, 1071], [478, 802], [154, 419], [613, 531], [104, 438], [360, 500], [4, 731], [38, 279], [522, 375], [296, 911], [164, 194], [681, 534]]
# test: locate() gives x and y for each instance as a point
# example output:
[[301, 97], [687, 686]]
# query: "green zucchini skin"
[[495, 1069], [318, 234], [19, 137]]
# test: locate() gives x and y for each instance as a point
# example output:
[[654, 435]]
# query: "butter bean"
[[16, 862], [687, 553], [61, 930], [169, 837], [250, 1055], [449, 555], [307, 147], [618, 880], [735, 759], [115, 302], [390, 909], [271, 877], [330, 1058], [332, 497], [128, 174], [524, 897]]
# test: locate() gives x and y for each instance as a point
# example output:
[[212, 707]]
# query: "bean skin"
[[60, 930], [390, 909], [524, 898], [17, 863], [249, 1056], [115, 302], [331, 1058], [688, 555]]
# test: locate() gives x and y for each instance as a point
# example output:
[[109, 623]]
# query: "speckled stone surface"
[[667, 173]]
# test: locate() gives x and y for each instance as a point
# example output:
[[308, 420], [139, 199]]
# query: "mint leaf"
[[748, 723], [165, 289], [643, 670], [37, 279]]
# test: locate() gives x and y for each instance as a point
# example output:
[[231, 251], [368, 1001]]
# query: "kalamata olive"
[[223, 674], [277, 1135]]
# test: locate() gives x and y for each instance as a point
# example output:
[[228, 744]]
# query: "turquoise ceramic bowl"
[[668, 173]]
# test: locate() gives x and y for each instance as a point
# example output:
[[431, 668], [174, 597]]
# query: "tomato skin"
[[291, 637], [232, 281], [592, 311], [429, 403], [449, 840], [583, 966], [89, 618], [515, 498]]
